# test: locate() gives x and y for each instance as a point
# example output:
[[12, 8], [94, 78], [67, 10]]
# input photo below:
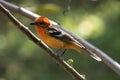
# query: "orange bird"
[[57, 37]]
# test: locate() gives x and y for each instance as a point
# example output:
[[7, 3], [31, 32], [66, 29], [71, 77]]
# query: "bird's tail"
[[92, 54], [80, 48]]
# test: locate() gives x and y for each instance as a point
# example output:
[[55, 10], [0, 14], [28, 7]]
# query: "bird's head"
[[42, 22]]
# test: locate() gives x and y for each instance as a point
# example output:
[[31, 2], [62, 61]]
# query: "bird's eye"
[[42, 24]]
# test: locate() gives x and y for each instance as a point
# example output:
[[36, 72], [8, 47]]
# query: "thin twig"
[[32, 37]]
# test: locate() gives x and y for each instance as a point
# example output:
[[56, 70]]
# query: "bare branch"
[[32, 37], [105, 58]]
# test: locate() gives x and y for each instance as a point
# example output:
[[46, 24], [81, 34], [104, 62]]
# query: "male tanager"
[[57, 37]]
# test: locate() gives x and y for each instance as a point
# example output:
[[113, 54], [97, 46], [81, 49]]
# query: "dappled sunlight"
[[29, 5], [49, 8], [86, 28], [91, 26]]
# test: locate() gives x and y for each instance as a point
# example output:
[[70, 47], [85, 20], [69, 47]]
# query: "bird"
[[57, 37]]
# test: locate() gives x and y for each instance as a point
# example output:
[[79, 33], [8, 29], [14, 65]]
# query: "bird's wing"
[[62, 35]]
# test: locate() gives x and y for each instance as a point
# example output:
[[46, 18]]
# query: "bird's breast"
[[48, 39]]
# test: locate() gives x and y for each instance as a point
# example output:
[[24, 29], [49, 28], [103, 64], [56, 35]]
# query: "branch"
[[32, 37], [105, 58]]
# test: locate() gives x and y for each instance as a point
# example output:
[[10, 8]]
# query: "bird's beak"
[[33, 23]]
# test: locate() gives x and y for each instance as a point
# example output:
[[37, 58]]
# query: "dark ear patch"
[[42, 24]]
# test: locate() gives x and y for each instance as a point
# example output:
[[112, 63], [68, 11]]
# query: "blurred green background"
[[97, 21]]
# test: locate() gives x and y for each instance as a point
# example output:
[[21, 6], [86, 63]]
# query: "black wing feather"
[[60, 35], [53, 32]]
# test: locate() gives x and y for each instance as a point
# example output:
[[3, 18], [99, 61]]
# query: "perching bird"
[[57, 37]]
